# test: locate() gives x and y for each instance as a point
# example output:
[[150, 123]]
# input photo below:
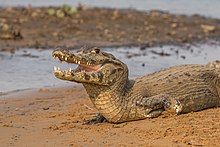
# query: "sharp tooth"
[[65, 58], [62, 57], [79, 62], [55, 68], [58, 68], [70, 70]]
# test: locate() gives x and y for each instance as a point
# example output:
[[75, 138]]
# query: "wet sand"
[[54, 117]]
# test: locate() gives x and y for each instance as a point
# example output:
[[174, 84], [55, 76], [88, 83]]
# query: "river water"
[[203, 7], [32, 68]]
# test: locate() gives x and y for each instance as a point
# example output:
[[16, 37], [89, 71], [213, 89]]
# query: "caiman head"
[[94, 66]]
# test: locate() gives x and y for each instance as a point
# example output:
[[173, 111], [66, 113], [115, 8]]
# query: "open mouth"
[[82, 65]]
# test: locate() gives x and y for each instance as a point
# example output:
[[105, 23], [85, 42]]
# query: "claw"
[[154, 113], [98, 119]]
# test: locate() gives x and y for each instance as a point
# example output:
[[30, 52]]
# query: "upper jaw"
[[72, 58]]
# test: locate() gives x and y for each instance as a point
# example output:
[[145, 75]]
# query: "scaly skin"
[[178, 89]]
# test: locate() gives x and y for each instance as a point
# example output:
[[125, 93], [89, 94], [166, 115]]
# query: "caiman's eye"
[[95, 51]]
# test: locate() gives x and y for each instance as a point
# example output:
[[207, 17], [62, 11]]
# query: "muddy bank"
[[43, 28], [55, 115]]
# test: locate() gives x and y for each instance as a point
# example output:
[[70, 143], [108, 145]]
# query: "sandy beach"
[[54, 117]]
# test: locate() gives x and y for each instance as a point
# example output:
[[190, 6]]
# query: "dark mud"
[[35, 28]]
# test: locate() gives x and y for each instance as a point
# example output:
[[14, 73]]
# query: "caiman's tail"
[[215, 64]]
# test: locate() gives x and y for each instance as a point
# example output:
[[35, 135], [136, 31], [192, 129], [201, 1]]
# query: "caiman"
[[178, 89]]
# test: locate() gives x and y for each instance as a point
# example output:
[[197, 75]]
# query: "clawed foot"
[[98, 119], [159, 103], [175, 107]]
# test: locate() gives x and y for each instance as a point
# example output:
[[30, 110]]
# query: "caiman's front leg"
[[158, 103]]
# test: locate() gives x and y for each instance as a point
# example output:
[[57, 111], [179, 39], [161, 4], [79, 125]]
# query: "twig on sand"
[[88, 107]]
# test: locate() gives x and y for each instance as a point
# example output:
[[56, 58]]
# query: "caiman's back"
[[196, 86]]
